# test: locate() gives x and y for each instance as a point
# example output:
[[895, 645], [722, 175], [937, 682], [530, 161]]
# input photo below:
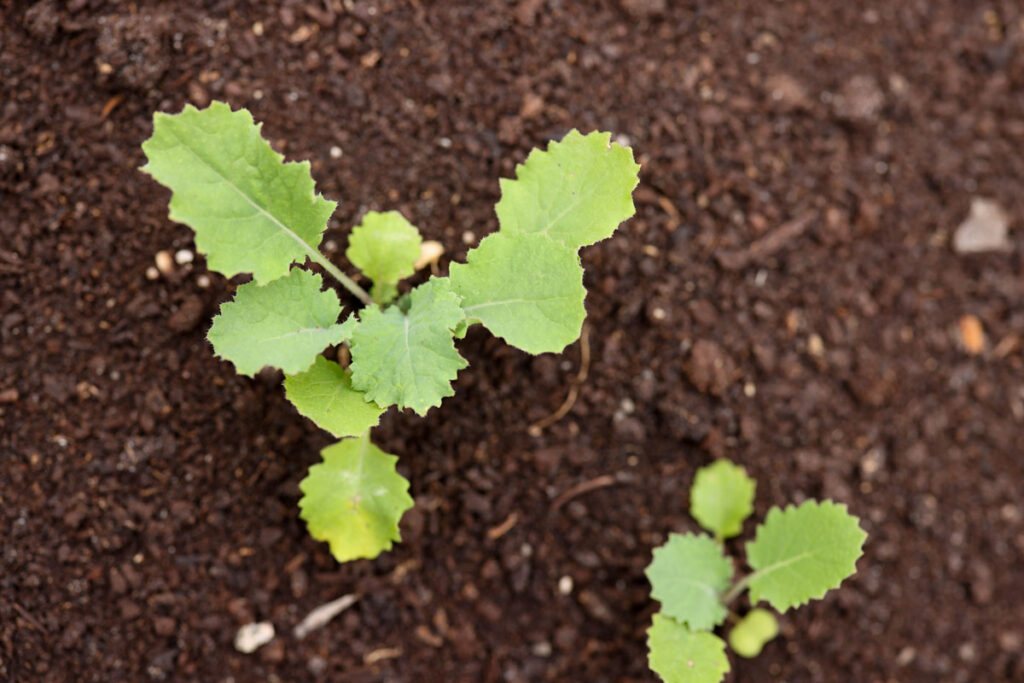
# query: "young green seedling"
[[253, 213], [798, 554]]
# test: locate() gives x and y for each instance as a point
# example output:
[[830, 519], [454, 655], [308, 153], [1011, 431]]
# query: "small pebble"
[[203, 281], [541, 649], [985, 229], [430, 252], [164, 262], [152, 273], [252, 637], [565, 585], [183, 256], [468, 237], [336, 152]]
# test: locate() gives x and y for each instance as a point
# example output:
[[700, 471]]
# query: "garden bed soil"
[[786, 297]]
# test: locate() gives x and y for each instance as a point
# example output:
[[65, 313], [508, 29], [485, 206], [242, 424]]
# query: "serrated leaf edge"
[[781, 511]]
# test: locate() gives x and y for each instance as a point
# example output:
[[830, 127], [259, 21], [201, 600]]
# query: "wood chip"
[[323, 614], [972, 334]]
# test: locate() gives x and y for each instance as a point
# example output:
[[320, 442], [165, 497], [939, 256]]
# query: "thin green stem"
[[336, 273], [737, 588]]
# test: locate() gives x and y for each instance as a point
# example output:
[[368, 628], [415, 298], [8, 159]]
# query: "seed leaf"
[[679, 655], [802, 552], [722, 497], [250, 211], [354, 499], [525, 288], [405, 355], [577, 192], [284, 323], [325, 395], [752, 633], [688, 575], [384, 246]]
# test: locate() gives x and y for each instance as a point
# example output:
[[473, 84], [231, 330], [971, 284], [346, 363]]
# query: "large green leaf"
[[749, 636], [250, 211], [722, 497], [325, 395], [577, 192], [525, 288], [354, 499], [802, 552], [284, 323], [384, 246], [405, 355], [680, 655], [688, 575]]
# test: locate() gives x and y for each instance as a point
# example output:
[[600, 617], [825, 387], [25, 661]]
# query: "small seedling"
[[253, 213], [798, 553]]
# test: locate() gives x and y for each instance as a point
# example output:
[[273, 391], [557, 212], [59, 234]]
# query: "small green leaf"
[[752, 633], [802, 552], [354, 499], [527, 289], [405, 355], [721, 498], [384, 246], [680, 655], [284, 323], [250, 211], [688, 575], [577, 192], [325, 395]]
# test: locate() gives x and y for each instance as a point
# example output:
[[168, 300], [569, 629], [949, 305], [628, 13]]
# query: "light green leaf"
[[577, 192], [325, 395], [405, 354], [250, 212], [525, 288], [680, 655], [284, 323], [354, 499], [752, 633], [688, 575], [721, 498], [384, 246], [802, 552]]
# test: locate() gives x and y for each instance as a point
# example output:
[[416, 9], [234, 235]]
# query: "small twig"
[[760, 249], [574, 388], [28, 617], [585, 487], [494, 533]]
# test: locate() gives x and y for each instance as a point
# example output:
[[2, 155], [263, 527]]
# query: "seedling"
[[253, 213], [798, 553]]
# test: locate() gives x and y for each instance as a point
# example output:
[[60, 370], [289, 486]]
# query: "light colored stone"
[[985, 228], [252, 637]]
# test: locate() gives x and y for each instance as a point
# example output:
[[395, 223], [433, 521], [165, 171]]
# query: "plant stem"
[[345, 280], [737, 588]]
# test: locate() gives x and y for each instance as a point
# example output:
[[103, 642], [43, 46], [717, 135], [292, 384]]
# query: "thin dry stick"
[[574, 389], [585, 487]]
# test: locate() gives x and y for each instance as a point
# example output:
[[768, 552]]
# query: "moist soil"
[[787, 296]]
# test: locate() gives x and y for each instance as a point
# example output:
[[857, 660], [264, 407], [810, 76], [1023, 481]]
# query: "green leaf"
[[325, 395], [721, 498], [405, 354], [802, 552], [250, 211], [525, 288], [354, 499], [752, 633], [285, 323], [688, 575], [384, 246], [680, 655], [577, 192]]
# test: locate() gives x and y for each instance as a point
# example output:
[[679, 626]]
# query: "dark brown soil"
[[786, 296]]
